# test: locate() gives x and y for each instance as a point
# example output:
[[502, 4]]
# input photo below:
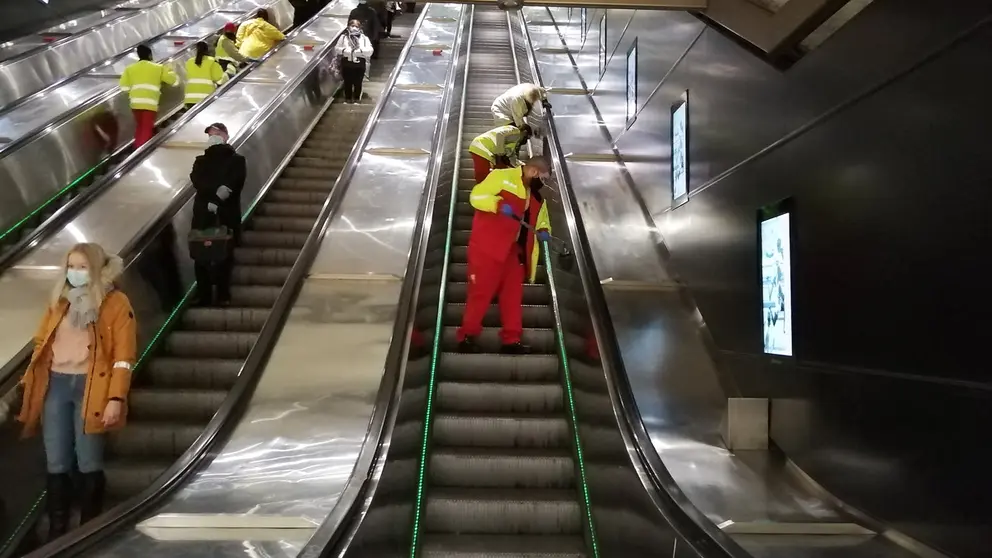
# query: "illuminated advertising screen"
[[632, 83], [776, 283], [602, 44], [680, 151]]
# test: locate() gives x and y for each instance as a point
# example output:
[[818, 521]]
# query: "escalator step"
[[504, 431], [274, 209], [499, 368], [539, 340], [314, 173], [533, 316], [281, 224], [271, 239], [254, 296], [210, 344], [201, 373], [502, 468], [225, 319], [244, 255], [145, 440], [198, 405], [286, 195], [496, 397], [126, 478], [313, 184], [261, 275], [503, 511], [502, 546]]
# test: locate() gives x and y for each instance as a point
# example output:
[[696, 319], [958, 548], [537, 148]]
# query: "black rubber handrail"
[[336, 533], [63, 215], [94, 532], [689, 524]]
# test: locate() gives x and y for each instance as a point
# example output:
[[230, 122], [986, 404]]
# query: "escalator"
[[184, 382], [501, 476]]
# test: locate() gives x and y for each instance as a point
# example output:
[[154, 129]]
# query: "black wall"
[[22, 17], [881, 139]]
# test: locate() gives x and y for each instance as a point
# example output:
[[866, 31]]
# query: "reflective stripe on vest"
[[486, 145], [199, 79], [146, 84]]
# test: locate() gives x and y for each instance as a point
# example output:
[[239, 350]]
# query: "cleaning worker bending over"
[[258, 36], [516, 104], [502, 252], [498, 148]]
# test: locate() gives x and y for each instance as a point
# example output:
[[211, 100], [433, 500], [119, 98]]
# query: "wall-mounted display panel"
[[680, 151], [632, 83], [775, 242]]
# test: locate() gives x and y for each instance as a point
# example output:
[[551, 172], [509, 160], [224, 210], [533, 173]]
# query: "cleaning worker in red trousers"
[[502, 253]]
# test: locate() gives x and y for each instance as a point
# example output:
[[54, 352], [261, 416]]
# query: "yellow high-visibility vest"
[[498, 142], [202, 80], [143, 82]]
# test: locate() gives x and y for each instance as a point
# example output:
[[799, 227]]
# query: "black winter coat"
[[220, 165]]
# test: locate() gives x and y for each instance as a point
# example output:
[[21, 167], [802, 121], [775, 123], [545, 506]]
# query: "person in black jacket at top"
[[218, 177], [371, 23]]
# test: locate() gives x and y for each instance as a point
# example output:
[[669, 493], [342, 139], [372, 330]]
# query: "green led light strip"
[[52, 199], [418, 507], [573, 415]]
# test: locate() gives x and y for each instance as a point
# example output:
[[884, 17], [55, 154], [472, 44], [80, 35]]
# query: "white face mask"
[[355, 30], [78, 277], [214, 140]]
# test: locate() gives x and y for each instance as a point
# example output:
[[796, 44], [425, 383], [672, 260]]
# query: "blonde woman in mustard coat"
[[76, 386]]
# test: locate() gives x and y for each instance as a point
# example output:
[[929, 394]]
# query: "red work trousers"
[[481, 167], [144, 126], [488, 278]]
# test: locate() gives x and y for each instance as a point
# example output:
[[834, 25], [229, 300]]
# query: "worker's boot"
[[59, 501], [91, 499], [468, 345]]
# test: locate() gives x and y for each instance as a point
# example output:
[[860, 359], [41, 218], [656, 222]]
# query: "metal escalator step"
[[328, 144], [149, 440], [533, 316], [313, 151], [319, 185], [533, 294], [281, 224], [225, 319], [539, 340], [318, 173], [276, 209], [156, 404], [505, 430], [254, 296], [210, 344], [285, 195], [260, 275], [127, 478], [502, 468], [463, 222], [503, 546], [272, 239], [499, 397], [328, 159], [506, 511], [464, 208], [244, 255], [499, 368], [201, 373]]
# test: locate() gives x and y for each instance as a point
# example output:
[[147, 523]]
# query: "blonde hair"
[[103, 270], [534, 93]]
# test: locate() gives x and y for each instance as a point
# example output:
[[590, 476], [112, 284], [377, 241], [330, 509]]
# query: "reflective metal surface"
[[75, 24], [295, 449], [740, 107], [20, 77]]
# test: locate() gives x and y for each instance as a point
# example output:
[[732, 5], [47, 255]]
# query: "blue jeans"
[[62, 427]]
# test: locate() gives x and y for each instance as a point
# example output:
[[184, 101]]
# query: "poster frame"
[[765, 213], [682, 100]]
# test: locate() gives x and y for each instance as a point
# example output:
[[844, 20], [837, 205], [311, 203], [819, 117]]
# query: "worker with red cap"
[[227, 53], [510, 218]]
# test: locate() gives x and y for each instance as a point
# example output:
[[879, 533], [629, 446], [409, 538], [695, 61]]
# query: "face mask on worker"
[[214, 140], [77, 277], [355, 31]]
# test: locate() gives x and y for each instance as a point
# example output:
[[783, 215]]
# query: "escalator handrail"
[[67, 212], [335, 534], [5, 109], [223, 421], [690, 524]]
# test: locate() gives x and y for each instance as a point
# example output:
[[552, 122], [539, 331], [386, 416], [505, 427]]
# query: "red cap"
[[231, 27]]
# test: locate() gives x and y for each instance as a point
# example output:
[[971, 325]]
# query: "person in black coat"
[[218, 177], [371, 23]]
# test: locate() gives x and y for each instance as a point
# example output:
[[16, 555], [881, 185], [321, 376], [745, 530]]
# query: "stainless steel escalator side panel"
[[141, 193], [628, 481], [57, 132], [295, 447]]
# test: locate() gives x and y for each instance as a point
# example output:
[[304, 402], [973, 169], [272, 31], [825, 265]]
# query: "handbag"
[[211, 245]]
